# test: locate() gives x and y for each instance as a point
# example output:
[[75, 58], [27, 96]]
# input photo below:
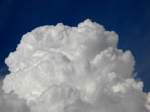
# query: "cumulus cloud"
[[11, 103], [72, 69]]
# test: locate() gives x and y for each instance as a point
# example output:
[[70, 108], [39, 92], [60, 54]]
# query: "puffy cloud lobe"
[[68, 69], [11, 103]]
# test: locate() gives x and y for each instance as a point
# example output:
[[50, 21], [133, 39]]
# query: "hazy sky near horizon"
[[129, 18]]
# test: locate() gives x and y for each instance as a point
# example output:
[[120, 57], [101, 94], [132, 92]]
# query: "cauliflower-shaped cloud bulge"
[[74, 69]]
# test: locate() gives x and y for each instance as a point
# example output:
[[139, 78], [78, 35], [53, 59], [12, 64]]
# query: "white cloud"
[[11, 103], [68, 69]]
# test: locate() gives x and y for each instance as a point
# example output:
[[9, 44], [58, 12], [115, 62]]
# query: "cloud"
[[69, 69], [11, 103]]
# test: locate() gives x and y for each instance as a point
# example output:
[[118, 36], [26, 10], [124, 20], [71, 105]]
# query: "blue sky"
[[129, 18]]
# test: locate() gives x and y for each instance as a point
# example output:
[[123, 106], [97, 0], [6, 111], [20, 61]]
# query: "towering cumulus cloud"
[[74, 69]]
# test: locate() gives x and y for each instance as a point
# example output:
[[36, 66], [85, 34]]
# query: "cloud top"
[[69, 69]]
